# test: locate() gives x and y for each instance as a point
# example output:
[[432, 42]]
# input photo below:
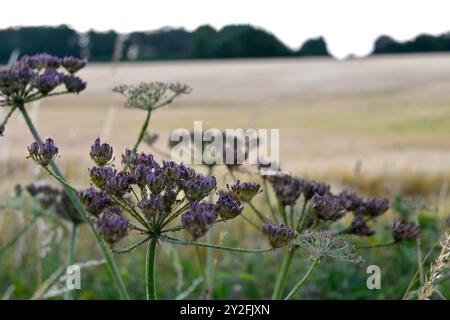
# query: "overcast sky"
[[349, 26]]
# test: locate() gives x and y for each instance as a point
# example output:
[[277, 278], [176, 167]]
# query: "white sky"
[[349, 26]]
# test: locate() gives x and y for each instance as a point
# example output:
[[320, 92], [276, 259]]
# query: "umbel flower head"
[[245, 191], [112, 225], [373, 207], [33, 77], [196, 187], [100, 175], [310, 188], [101, 153], [228, 205], [148, 96], [278, 235], [404, 231], [198, 220], [43, 153]]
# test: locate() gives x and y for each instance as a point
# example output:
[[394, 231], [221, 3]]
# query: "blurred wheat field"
[[378, 123]]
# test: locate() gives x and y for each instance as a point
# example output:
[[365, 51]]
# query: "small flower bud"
[[48, 81], [43, 153], [278, 235], [198, 220], [101, 153], [311, 188], [360, 228], [350, 200], [156, 181]]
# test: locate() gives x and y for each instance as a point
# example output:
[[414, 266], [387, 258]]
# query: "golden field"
[[380, 124]]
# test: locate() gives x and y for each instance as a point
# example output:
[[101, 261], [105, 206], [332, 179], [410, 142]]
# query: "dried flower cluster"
[[152, 95]]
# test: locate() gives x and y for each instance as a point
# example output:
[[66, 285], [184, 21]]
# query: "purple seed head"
[[174, 171], [373, 207], [101, 153], [287, 188], [156, 181], [48, 81], [112, 226], [278, 235], [198, 187], [43, 61], [152, 207], [328, 207], [350, 200], [228, 205], [198, 220], [360, 228], [43, 153], [95, 201], [100, 175], [119, 184], [245, 191], [404, 231], [74, 84], [311, 188], [72, 64]]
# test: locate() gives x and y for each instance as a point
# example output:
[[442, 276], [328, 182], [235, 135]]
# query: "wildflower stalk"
[[200, 244], [282, 275], [71, 255], [210, 252], [378, 245], [143, 130], [267, 197], [150, 278], [258, 212], [302, 281], [19, 233], [132, 247], [112, 266]]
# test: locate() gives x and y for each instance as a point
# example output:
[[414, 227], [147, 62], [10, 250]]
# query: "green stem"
[[150, 270], [283, 212], [200, 244], [210, 253], [378, 245], [258, 213], [282, 275], [73, 197], [302, 218], [18, 235], [269, 203], [132, 247], [71, 255], [143, 130], [303, 280]]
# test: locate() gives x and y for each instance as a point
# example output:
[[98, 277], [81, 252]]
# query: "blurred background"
[[360, 90]]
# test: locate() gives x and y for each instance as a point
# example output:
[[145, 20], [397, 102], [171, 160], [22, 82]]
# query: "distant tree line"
[[234, 41], [421, 43]]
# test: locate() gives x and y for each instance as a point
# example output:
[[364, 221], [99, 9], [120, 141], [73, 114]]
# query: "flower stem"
[[378, 245], [71, 255], [258, 212], [150, 270], [282, 275], [143, 130], [303, 280], [210, 252], [200, 244], [269, 203], [21, 231], [73, 197]]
